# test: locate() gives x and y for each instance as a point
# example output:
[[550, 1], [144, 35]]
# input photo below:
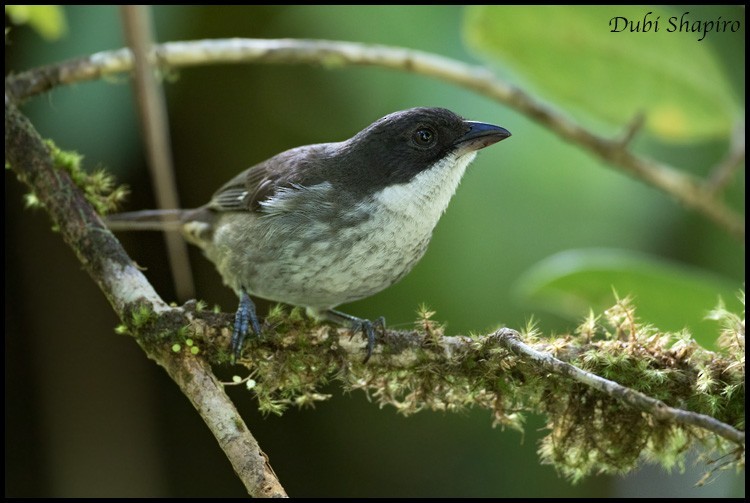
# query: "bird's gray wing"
[[288, 170]]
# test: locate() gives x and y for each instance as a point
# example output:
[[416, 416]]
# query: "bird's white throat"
[[426, 196]]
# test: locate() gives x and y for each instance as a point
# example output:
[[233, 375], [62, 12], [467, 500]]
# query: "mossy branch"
[[615, 393]]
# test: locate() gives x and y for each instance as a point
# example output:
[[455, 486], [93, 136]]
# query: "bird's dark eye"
[[424, 137]]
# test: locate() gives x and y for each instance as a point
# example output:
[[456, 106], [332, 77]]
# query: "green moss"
[[122, 330], [141, 316], [98, 187], [31, 201]]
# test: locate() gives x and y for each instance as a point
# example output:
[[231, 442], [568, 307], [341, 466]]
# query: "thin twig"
[[688, 190], [661, 411], [722, 173], [124, 286], [632, 129], [153, 114]]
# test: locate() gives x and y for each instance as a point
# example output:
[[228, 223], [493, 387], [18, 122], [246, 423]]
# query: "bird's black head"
[[403, 144]]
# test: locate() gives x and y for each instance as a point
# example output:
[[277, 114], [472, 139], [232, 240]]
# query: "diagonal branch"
[[687, 189], [127, 289]]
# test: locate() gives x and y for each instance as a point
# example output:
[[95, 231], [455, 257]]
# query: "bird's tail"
[[146, 220]]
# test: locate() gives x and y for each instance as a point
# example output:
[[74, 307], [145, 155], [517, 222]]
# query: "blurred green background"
[[87, 415]]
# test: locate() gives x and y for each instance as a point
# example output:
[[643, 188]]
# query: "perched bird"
[[326, 224]]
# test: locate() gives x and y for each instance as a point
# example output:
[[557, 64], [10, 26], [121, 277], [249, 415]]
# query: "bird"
[[326, 224]]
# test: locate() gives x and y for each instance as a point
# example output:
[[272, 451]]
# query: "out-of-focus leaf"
[[571, 55], [47, 20], [667, 295]]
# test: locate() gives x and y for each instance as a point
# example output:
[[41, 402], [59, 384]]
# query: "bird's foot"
[[243, 320], [367, 327]]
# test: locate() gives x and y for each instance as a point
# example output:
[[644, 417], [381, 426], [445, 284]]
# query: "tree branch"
[[688, 190], [128, 291], [662, 412], [310, 353]]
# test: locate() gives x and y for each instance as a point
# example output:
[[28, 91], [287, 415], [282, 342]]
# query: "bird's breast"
[[311, 250]]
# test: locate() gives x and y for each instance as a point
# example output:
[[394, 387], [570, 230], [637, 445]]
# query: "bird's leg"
[[367, 327], [244, 317]]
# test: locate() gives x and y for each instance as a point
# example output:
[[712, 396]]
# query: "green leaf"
[[667, 295], [47, 20], [571, 55]]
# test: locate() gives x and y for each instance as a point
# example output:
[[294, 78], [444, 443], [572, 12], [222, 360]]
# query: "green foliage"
[[47, 20], [98, 187], [671, 296], [572, 57]]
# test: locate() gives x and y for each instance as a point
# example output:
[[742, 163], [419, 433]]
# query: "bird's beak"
[[480, 135]]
